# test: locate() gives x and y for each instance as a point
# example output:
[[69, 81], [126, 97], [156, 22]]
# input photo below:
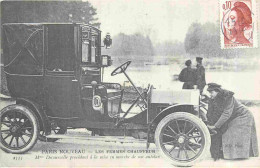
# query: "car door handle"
[[74, 80]]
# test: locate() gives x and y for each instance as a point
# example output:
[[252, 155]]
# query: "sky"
[[162, 20]]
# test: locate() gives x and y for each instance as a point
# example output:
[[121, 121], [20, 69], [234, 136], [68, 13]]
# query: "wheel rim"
[[16, 130], [182, 140]]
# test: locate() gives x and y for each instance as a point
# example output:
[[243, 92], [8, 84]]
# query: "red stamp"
[[238, 24]]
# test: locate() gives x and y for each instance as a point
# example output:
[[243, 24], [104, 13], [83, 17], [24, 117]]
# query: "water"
[[245, 84]]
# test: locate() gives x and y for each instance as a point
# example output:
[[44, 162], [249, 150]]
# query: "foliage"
[[204, 39], [136, 46], [170, 48], [48, 11]]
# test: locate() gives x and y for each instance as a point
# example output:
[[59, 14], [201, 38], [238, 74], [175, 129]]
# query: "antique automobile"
[[55, 75]]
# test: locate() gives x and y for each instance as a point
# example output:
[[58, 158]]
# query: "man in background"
[[200, 75]]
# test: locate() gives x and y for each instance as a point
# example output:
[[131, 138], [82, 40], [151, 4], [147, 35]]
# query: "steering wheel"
[[121, 68]]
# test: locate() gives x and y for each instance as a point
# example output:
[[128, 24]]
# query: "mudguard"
[[39, 112], [189, 108]]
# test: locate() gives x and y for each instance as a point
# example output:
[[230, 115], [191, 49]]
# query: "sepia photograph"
[[120, 83]]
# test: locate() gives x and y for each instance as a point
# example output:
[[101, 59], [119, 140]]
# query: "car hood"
[[175, 96]]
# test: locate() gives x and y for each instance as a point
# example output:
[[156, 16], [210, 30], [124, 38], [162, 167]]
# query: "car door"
[[62, 88]]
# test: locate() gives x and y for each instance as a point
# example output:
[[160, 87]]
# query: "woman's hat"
[[188, 63], [213, 86]]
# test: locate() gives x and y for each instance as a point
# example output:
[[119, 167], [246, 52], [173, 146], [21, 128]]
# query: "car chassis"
[[55, 74]]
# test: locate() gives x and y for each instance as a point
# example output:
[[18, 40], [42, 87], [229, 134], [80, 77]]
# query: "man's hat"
[[199, 59], [188, 63], [213, 86]]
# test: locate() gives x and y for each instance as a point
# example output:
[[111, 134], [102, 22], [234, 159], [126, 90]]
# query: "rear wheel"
[[19, 129], [182, 138]]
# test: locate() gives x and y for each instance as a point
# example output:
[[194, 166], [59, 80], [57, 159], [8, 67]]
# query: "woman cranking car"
[[234, 123]]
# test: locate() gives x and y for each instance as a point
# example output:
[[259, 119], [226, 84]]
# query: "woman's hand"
[[211, 127]]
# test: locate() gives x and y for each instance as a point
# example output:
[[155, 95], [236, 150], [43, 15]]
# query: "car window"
[[85, 51], [61, 48], [93, 48], [89, 50]]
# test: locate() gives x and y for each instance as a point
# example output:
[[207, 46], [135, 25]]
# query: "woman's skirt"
[[240, 140]]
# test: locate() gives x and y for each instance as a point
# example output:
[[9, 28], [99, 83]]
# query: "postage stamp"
[[238, 24]]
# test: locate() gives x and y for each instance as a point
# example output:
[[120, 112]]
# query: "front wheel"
[[182, 138], [19, 129]]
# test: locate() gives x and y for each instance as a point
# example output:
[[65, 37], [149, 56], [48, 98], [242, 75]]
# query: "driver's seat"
[[114, 97]]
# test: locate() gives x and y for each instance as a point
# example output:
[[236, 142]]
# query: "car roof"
[[49, 23]]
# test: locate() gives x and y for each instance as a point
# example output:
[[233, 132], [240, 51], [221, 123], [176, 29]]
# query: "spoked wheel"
[[19, 129], [57, 130], [182, 138]]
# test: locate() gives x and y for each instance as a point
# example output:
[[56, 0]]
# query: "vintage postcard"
[[238, 20], [140, 83]]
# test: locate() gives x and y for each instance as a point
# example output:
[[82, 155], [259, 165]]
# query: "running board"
[[115, 139]]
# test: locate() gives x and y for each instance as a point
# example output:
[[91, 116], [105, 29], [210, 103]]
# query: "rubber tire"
[[31, 116], [194, 119]]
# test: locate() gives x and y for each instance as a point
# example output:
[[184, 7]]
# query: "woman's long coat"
[[188, 76], [236, 127]]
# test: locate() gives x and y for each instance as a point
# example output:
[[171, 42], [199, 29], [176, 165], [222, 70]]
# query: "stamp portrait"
[[238, 24]]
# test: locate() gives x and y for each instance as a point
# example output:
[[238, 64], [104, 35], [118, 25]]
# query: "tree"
[[48, 11], [193, 38], [205, 40], [134, 46], [170, 48]]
